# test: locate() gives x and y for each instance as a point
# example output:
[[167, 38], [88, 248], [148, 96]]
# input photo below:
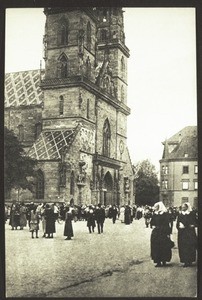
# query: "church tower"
[[85, 111]]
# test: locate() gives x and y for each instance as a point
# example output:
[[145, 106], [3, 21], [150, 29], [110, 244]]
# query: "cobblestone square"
[[115, 264]]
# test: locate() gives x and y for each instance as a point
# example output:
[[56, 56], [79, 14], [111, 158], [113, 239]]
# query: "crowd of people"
[[159, 218]]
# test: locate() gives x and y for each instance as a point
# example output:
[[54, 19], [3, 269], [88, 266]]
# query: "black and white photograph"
[[100, 152]]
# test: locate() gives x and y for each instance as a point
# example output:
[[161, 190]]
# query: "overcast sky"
[[161, 70]]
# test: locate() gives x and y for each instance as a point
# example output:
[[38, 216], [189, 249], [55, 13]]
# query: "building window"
[[38, 129], [196, 185], [88, 68], [185, 169], [122, 64], [61, 105], [62, 175], [165, 184], [89, 36], [63, 33], [63, 66], [39, 185], [106, 138], [185, 185], [72, 183], [166, 169], [88, 108], [195, 204], [184, 200], [21, 133], [163, 170], [103, 36], [195, 169], [186, 155]]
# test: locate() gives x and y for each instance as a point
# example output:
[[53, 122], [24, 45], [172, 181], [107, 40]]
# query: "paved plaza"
[[114, 264]]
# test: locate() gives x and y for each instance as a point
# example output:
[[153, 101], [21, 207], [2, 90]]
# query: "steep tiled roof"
[[182, 144], [49, 144], [22, 88]]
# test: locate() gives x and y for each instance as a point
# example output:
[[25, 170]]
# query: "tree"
[[146, 183], [18, 168]]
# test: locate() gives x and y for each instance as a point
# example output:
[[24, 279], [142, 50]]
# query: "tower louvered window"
[[63, 34]]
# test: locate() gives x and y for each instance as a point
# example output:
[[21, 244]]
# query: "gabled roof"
[[22, 88], [50, 143], [182, 144]]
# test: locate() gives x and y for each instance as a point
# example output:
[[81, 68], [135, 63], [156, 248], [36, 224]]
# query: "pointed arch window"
[[39, 185], [61, 105], [63, 34], [106, 138], [88, 68], [21, 133], [72, 183], [122, 64], [63, 66], [89, 36]]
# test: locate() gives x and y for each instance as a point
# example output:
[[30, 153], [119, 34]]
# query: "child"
[[34, 222]]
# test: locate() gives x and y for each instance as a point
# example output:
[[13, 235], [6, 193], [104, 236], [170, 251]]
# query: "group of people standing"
[[158, 217], [161, 243]]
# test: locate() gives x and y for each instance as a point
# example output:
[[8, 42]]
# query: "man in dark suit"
[[100, 218]]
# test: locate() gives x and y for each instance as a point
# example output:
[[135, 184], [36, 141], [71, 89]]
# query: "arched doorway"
[[108, 189]]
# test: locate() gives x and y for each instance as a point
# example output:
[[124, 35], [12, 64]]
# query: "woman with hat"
[[160, 237]]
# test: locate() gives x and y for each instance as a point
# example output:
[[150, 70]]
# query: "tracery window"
[[89, 36], [63, 66], [61, 105], [39, 185], [106, 138]]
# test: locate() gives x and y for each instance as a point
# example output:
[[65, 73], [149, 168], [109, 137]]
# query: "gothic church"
[[72, 116]]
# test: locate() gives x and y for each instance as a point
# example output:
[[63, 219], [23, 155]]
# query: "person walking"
[[34, 222], [68, 229], [90, 219], [160, 237], [187, 240], [122, 214], [100, 218]]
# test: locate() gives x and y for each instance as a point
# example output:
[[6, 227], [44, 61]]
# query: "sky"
[[161, 70]]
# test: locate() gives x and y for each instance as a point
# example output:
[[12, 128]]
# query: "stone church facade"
[[74, 119]]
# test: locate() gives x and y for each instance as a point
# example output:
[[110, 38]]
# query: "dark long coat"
[[187, 240], [50, 220], [127, 215], [100, 215], [160, 241], [68, 230], [90, 218]]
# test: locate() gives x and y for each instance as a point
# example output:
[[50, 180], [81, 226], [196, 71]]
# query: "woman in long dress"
[[90, 219], [160, 236], [187, 240], [50, 221], [122, 214], [23, 218], [68, 230]]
